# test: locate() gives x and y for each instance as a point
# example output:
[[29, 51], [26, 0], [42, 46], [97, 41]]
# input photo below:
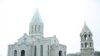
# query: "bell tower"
[[36, 26], [87, 48]]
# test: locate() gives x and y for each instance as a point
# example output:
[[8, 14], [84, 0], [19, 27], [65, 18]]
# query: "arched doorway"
[[22, 53], [15, 52], [60, 53]]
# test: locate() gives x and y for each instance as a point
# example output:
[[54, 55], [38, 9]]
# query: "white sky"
[[63, 18]]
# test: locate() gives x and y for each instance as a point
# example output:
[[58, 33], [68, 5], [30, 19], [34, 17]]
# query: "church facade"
[[35, 44]]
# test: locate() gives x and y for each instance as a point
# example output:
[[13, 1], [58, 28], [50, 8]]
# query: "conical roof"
[[36, 18], [85, 29]]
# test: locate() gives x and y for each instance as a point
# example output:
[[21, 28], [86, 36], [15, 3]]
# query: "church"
[[35, 44]]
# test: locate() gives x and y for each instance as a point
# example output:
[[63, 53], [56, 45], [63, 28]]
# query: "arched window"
[[86, 45], [15, 52], [85, 37], [39, 28], [48, 50], [90, 44], [81, 38], [41, 50], [22, 53], [90, 35], [65, 53], [60, 53], [35, 28], [32, 28], [81, 45], [35, 50]]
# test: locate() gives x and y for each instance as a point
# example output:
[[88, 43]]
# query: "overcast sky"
[[63, 18]]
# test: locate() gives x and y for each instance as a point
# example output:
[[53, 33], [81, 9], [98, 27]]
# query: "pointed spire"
[[36, 18], [36, 25], [85, 28]]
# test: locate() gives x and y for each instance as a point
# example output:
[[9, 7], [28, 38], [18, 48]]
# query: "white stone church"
[[35, 44]]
